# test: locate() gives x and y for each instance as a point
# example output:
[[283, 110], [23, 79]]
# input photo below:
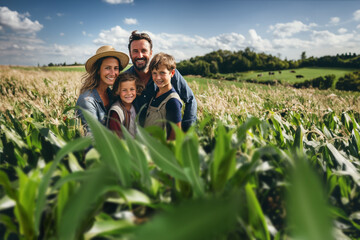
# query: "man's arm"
[[187, 96]]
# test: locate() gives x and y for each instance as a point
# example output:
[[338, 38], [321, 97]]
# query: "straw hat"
[[107, 51]]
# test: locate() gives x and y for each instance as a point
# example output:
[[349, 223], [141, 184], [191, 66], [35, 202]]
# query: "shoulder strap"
[[118, 109], [171, 95]]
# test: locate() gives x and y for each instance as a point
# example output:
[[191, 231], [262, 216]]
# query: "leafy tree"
[[350, 82]]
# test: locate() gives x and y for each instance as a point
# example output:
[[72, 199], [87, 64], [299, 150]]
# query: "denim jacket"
[[91, 101], [180, 86]]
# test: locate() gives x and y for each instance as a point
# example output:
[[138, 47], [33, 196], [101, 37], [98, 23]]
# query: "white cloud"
[[48, 18], [334, 20], [358, 26], [326, 38], [130, 21], [62, 34], [259, 44], [290, 28], [59, 14], [357, 15], [118, 1], [81, 22], [180, 45], [291, 43], [18, 22], [115, 37], [342, 30]]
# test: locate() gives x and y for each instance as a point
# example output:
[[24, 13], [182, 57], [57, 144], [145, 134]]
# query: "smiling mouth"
[[159, 82], [140, 60]]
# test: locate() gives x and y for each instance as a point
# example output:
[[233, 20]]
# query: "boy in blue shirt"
[[166, 105]]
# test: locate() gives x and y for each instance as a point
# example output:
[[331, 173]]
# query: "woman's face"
[[109, 70]]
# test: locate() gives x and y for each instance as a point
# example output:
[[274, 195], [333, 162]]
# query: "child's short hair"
[[162, 59], [125, 77]]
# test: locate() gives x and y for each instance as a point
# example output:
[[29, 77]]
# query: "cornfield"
[[262, 162]]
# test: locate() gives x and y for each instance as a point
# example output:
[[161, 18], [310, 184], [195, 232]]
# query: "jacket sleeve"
[[88, 105], [187, 96]]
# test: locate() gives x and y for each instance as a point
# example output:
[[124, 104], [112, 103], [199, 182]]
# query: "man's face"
[[140, 54]]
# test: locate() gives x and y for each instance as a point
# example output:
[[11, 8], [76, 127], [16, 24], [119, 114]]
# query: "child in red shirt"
[[122, 111]]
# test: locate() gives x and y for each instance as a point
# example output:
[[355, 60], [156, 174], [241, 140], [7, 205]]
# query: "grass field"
[[286, 76]]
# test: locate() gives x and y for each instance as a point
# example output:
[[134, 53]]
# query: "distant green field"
[[289, 77], [65, 68]]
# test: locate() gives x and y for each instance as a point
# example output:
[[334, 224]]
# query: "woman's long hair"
[[91, 80]]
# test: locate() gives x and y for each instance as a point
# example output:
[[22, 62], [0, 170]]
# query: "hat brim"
[[123, 58]]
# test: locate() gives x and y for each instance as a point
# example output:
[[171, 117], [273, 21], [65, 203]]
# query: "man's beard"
[[142, 67]]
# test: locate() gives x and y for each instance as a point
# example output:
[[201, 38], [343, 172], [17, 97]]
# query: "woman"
[[102, 70]]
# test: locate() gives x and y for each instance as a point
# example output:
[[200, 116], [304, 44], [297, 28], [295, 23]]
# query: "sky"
[[39, 32]]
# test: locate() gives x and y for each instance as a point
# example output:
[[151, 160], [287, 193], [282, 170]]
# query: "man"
[[140, 51]]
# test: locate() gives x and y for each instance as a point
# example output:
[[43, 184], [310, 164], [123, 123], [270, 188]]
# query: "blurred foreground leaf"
[[192, 220], [309, 215]]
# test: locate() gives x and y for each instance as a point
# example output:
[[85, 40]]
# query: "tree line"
[[224, 61]]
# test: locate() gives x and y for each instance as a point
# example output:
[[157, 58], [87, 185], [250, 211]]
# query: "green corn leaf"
[[12, 136], [340, 213], [17, 125], [225, 171], [299, 138], [249, 123], [76, 145], [247, 170], [108, 227], [161, 155], [25, 204], [191, 161], [347, 121], [193, 220], [276, 123], [355, 140], [131, 196], [346, 165], [64, 193], [180, 135], [309, 216], [9, 189], [82, 205], [6, 202], [111, 149], [223, 161], [139, 158], [80, 176], [255, 215], [10, 227]]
